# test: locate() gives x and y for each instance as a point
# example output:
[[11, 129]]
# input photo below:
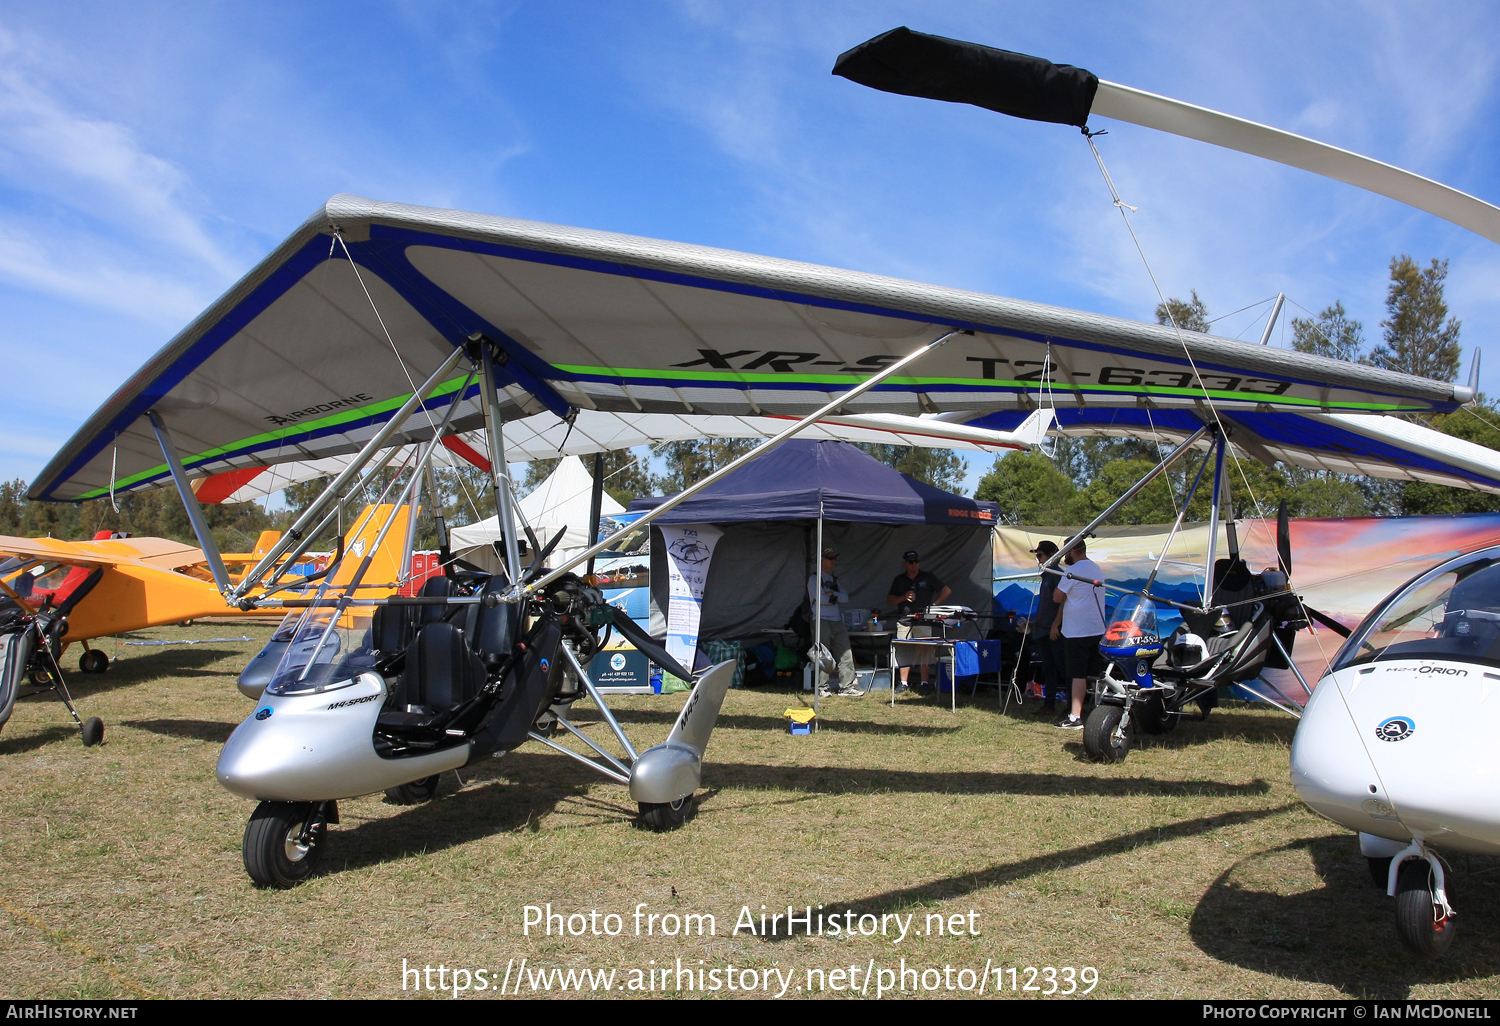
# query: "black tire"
[[1380, 870], [1152, 716], [273, 858], [414, 793], [93, 661], [1098, 734], [1420, 932], [93, 732], [665, 816], [40, 678], [1207, 702]]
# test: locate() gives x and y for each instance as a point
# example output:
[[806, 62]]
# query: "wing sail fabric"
[[319, 345], [938, 68], [545, 436], [1378, 446]]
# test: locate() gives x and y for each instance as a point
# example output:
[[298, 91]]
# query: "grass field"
[[1189, 871]]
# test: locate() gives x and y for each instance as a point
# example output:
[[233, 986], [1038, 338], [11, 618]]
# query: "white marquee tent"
[[559, 503]]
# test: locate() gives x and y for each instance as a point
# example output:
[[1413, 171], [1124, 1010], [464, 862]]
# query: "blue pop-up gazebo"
[[780, 509]]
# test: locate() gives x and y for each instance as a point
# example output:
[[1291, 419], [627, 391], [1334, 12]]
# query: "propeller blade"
[[543, 552], [1284, 539], [647, 644], [1328, 621]]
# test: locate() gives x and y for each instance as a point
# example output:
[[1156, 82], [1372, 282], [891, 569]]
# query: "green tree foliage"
[[1331, 333], [1189, 315], [1420, 337], [626, 476], [941, 468], [151, 512], [537, 471], [1029, 490], [1480, 425], [690, 462]]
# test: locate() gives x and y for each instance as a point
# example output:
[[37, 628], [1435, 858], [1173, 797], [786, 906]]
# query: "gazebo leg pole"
[[817, 613]]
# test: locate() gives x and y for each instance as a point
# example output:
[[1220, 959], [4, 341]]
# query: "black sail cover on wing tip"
[[938, 68]]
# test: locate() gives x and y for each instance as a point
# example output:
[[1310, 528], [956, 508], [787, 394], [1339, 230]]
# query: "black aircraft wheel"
[[275, 853], [414, 793], [93, 661], [1206, 703], [1153, 716], [664, 816], [1380, 870], [1099, 730], [41, 678], [1417, 916], [93, 731]]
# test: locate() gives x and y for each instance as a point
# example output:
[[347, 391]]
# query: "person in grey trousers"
[[835, 636]]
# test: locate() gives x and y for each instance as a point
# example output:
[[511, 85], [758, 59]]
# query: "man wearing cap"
[[913, 590], [1050, 652], [1080, 625], [834, 635]]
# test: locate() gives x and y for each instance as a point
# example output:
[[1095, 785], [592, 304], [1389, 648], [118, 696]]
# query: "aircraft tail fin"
[[1033, 430], [385, 565]]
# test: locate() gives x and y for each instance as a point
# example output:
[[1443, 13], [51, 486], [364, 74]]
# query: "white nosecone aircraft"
[[1396, 740]]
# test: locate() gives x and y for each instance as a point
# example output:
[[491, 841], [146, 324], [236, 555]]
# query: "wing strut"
[[190, 504], [1130, 493], [760, 450], [295, 535]]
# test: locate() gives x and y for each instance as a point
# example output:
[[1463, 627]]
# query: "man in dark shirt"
[[1054, 684], [913, 590]]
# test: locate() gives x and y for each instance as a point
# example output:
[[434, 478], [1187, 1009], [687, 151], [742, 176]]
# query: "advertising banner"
[[689, 552], [1340, 566]]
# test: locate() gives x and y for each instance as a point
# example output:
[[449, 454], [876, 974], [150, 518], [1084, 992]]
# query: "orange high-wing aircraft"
[[112, 585]]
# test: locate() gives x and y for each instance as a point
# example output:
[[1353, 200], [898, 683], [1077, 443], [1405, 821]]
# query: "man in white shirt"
[[1080, 623], [835, 636]]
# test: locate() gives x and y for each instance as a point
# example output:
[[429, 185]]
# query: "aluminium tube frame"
[[1213, 525], [1130, 493], [499, 470], [1265, 336], [596, 502], [817, 624], [604, 710], [398, 419], [597, 767], [1177, 524], [764, 447], [190, 503], [406, 495]]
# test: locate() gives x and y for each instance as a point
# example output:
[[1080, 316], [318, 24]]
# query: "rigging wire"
[[1258, 302], [1122, 206]]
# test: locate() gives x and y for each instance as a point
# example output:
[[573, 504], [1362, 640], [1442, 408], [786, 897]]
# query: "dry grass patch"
[[1189, 871]]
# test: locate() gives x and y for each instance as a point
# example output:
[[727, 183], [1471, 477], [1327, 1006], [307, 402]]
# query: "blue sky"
[[151, 153]]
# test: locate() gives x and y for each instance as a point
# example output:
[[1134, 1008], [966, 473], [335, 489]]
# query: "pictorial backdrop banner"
[[1341, 567], [690, 550]]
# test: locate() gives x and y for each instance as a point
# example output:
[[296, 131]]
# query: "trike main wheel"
[[1099, 730], [276, 854]]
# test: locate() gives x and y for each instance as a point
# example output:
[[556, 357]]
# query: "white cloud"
[[77, 270], [101, 220]]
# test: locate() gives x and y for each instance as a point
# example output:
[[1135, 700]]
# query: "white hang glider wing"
[[546, 436], [939, 68], [1375, 446], [299, 360]]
